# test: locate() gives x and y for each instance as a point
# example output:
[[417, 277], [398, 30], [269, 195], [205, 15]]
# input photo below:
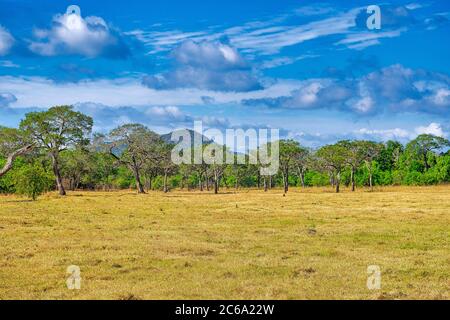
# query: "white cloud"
[[6, 41], [44, 93], [73, 34], [264, 37], [206, 65], [395, 88], [384, 134], [433, 128], [399, 134], [362, 40], [170, 113], [414, 6]]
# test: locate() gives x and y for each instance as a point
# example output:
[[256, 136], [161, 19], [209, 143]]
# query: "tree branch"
[[9, 162]]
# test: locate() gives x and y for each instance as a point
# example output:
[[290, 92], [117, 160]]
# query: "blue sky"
[[312, 69]]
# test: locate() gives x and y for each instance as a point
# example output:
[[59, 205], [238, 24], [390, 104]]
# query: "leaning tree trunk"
[[9, 162], [56, 172]]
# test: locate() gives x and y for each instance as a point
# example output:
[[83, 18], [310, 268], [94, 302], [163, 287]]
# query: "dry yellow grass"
[[310, 244]]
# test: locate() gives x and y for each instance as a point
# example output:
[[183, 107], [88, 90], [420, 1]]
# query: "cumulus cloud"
[[6, 41], [393, 88], [6, 99], [206, 65], [71, 34], [433, 128]]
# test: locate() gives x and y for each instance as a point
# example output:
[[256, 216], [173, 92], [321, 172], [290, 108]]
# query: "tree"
[[354, 158], [163, 153], [369, 150], [32, 181], [424, 144], [334, 158], [390, 155], [133, 145], [74, 165], [13, 143], [301, 161], [289, 151], [55, 131]]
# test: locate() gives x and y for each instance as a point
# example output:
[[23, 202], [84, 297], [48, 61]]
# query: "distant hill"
[[194, 135]]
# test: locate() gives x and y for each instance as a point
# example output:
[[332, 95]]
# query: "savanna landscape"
[[247, 244], [224, 150]]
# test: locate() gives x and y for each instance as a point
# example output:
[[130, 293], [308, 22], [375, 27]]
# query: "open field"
[[250, 245]]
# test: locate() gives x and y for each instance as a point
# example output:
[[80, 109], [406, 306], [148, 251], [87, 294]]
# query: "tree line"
[[55, 149]]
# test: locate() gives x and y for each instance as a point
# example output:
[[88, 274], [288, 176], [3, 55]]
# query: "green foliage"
[[32, 180]]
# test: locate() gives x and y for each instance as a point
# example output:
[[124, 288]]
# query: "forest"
[[57, 150]]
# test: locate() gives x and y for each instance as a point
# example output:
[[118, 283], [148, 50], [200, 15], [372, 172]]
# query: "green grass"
[[310, 244]]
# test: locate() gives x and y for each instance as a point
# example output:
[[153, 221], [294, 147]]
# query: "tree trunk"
[[338, 183], [270, 182], [371, 180], [165, 183], [301, 173], [353, 180], [9, 162], [137, 177], [425, 160], [259, 180], [56, 172], [216, 186], [201, 183], [286, 180], [265, 184]]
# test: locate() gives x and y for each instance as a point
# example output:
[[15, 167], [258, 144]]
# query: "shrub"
[[32, 181]]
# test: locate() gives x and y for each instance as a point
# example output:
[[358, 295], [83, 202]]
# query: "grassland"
[[310, 244]]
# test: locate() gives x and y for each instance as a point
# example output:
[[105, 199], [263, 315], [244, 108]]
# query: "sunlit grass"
[[244, 245]]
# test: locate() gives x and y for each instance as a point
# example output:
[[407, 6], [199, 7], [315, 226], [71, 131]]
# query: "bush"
[[413, 178], [32, 181]]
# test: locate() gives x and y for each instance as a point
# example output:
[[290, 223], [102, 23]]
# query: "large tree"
[[13, 143], [133, 145], [56, 130], [424, 144]]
